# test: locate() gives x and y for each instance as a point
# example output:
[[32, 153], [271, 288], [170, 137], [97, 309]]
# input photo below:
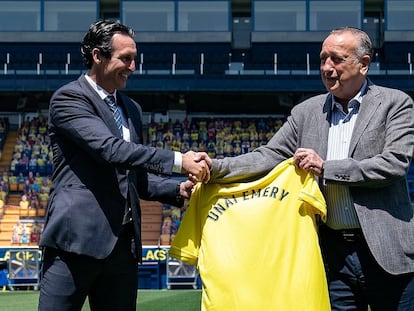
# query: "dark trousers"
[[356, 280], [110, 284]]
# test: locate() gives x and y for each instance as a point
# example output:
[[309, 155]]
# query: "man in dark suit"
[[92, 236], [359, 139]]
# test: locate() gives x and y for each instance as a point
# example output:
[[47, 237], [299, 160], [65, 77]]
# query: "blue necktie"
[[110, 101]]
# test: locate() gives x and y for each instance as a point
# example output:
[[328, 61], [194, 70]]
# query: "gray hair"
[[364, 46]]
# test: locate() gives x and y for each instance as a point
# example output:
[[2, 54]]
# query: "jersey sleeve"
[[312, 195], [186, 244]]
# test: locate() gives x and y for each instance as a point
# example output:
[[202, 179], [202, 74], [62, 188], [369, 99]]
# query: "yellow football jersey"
[[255, 244]]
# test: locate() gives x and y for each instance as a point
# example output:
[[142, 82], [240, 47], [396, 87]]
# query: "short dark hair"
[[100, 36]]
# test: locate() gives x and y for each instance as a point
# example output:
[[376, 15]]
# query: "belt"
[[351, 235]]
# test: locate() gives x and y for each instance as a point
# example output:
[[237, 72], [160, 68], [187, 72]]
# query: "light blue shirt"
[[341, 211]]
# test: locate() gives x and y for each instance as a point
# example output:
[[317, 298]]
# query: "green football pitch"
[[148, 300]]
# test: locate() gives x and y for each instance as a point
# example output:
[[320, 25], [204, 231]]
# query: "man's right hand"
[[196, 166]]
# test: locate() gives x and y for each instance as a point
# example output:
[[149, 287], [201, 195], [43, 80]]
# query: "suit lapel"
[[100, 106], [324, 124], [367, 109]]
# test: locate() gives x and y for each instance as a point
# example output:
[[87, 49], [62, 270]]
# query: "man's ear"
[[364, 63], [96, 56]]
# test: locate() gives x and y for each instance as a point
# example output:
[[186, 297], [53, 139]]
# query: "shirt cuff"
[[178, 162]]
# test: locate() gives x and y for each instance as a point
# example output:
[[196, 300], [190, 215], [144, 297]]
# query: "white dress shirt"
[[341, 212]]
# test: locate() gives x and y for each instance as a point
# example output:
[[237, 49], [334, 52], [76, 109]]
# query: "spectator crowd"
[[31, 166]]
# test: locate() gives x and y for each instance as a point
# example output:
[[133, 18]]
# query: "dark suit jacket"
[[381, 149], [96, 173]]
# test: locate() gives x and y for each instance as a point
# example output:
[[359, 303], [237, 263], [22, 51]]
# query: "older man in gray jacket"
[[359, 139]]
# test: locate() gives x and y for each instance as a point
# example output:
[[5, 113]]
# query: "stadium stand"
[[204, 76], [286, 56], [398, 57]]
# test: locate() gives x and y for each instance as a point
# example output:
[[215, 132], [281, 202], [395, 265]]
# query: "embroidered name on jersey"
[[255, 244]]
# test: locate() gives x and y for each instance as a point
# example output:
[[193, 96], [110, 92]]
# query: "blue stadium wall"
[[152, 271]]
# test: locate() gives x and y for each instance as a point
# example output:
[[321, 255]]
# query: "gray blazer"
[[97, 173], [379, 156]]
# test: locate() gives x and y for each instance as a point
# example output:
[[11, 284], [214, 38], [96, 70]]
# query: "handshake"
[[197, 166]]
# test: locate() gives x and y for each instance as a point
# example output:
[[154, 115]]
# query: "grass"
[[148, 300]]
